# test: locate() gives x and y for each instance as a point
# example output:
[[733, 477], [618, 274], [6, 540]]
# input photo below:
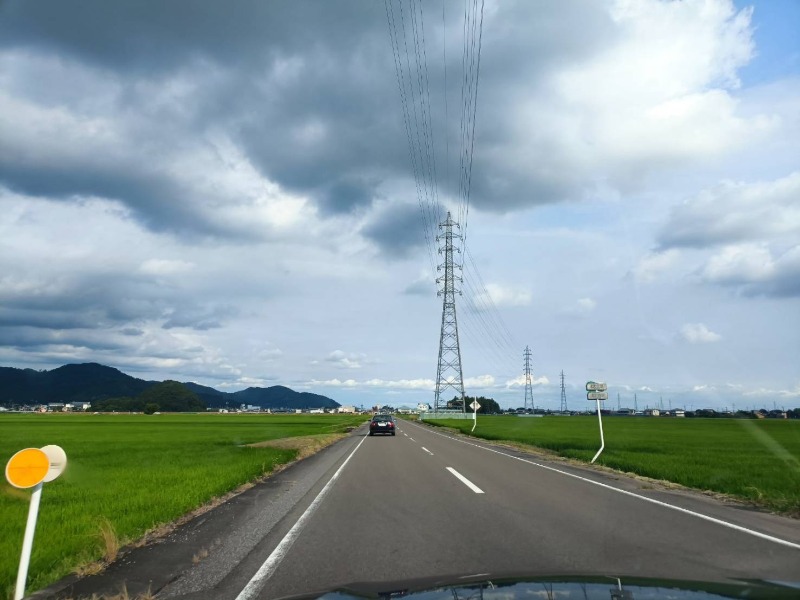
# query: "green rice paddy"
[[135, 472]]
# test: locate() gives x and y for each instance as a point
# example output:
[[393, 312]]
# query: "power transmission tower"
[[563, 395], [448, 372], [528, 381]]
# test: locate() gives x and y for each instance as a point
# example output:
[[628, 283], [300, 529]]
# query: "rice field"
[[754, 460], [128, 474]]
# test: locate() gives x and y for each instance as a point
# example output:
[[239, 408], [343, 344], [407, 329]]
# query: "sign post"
[[29, 468], [597, 392], [474, 406]]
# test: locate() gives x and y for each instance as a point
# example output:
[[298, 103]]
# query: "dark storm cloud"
[[152, 35], [307, 89], [155, 200], [102, 302], [396, 230], [346, 195], [36, 339]]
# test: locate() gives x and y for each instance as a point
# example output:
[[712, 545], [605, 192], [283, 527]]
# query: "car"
[[382, 424]]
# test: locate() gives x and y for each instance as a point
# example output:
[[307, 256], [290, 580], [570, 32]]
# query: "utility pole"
[[448, 371], [563, 408], [528, 380], [618, 407], [635, 403]]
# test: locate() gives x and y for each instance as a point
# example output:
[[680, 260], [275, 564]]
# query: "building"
[[651, 412]]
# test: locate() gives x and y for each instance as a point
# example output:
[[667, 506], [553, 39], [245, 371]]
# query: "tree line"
[[168, 396]]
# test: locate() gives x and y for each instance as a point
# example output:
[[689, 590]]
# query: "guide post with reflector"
[[474, 406], [30, 468]]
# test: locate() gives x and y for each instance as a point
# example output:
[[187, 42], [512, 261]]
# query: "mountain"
[[91, 382], [71, 383], [278, 396]]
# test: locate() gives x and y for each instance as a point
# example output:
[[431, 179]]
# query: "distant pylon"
[[563, 408], [528, 380], [448, 371]]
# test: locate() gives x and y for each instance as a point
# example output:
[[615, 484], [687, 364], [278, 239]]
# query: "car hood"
[[485, 586]]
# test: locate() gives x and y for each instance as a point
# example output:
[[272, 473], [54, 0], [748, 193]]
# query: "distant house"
[[347, 409], [55, 406], [651, 412], [625, 412], [423, 407], [777, 414], [678, 412]]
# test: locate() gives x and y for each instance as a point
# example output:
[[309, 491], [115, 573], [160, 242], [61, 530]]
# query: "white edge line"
[[266, 570], [733, 526], [465, 481], [428, 451], [412, 439]]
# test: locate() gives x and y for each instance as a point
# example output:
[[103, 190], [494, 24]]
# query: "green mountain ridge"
[[92, 382]]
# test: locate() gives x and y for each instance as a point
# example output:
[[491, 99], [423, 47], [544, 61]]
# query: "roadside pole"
[[474, 406], [27, 542], [597, 392], [30, 468]]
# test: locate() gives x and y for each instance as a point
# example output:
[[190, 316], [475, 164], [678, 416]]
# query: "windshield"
[[314, 293]]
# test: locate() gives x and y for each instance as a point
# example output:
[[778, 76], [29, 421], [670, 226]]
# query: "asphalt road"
[[423, 504]]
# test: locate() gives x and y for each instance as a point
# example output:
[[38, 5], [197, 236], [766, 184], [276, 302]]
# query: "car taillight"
[[391, 424]]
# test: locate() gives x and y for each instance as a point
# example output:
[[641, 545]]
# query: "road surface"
[[426, 504]]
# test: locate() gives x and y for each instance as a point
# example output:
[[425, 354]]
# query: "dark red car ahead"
[[382, 424]]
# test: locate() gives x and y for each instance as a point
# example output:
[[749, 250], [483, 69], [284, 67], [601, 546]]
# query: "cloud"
[[344, 360], [399, 384], [698, 333], [636, 101], [423, 286], [480, 382], [396, 229], [735, 212], [157, 266], [581, 308], [520, 381], [753, 269], [654, 264], [502, 296]]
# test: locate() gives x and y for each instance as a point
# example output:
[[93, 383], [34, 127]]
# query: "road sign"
[[594, 386], [58, 462], [475, 406], [27, 468], [597, 396]]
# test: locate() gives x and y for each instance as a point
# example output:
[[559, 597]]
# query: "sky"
[[225, 193]]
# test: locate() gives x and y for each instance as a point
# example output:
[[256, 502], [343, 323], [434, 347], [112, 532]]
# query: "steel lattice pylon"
[[563, 395], [528, 380], [448, 372]]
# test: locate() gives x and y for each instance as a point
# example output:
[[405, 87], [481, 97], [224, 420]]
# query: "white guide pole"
[[602, 441], [27, 542]]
